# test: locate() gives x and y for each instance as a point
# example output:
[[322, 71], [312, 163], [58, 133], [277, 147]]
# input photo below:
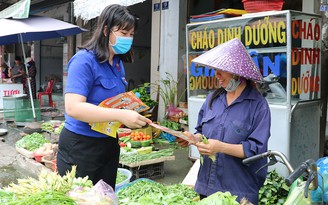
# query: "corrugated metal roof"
[[35, 4]]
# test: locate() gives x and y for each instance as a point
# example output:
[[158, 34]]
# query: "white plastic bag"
[[100, 194]]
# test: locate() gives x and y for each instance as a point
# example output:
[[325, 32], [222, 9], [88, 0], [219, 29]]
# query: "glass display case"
[[285, 45]]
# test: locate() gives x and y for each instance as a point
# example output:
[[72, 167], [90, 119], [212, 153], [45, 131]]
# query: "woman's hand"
[[184, 143], [211, 148], [132, 119]]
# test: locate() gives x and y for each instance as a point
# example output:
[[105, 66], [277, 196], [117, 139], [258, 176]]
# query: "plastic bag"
[[167, 136], [296, 196], [322, 165], [100, 194]]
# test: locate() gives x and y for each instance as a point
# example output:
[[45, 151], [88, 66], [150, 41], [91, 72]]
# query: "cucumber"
[[145, 150], [145, 143], [134, 144]]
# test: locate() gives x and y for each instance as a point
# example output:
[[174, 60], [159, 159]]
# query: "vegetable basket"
[[156, 132], [50, 162], [128, 174], [131, 183]]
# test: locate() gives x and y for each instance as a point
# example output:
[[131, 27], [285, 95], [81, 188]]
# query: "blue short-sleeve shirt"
[[94, 80], [246, 121]]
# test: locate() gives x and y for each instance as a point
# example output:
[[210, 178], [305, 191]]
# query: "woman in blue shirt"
[[236, 121], [96, 73]]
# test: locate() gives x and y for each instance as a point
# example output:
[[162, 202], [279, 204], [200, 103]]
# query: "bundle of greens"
[[49, 188], [219, 198], [32, 142], [274, 190], [145, 191], [131, 158], [120, 177], [212, 157]]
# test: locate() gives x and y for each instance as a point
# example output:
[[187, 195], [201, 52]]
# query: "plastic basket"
[[24, 112], [9, 105], [18, 108], [150, 171], [131, 183], [253, 6], [128, 174]]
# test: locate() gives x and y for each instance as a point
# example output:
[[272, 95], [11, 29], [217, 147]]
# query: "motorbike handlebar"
[[254, 158]]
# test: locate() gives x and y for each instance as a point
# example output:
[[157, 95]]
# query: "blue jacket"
[[94, 80]]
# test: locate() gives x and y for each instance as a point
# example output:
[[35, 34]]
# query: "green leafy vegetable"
[[126, 159], [149, 192], [212, 157], [50, 197], [171, 124], [145, 95], [219, 198], [32, 141], [120, 177], [274, 190]]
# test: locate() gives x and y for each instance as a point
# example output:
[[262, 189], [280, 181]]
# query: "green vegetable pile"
[[44, 197], [58, 129], [47, 126], [171, 124], [49, 188], [219, 198], [274, 190], [120, 177], [53, 127], [131, 158], [145, 95], [142, 192], [32, 141]]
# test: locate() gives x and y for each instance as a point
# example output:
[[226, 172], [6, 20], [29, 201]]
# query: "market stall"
[[285, 45]]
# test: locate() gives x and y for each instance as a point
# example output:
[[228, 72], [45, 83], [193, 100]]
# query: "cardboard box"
[[191, 177]]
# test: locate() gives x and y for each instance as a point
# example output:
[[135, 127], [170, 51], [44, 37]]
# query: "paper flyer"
[[172, 132], [127, 100]]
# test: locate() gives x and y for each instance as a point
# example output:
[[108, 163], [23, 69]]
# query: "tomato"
[[122, 144]]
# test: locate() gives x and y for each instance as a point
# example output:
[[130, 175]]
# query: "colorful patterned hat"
[[231, 57]]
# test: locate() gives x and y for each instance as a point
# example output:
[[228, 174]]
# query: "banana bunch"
[[48, 181]]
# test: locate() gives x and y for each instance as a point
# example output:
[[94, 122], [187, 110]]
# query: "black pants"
[[97, 158]]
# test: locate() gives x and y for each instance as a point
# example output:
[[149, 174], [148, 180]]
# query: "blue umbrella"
[[34, 28]]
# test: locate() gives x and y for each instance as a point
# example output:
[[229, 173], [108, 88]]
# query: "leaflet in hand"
[[127, 100], [172, 132]]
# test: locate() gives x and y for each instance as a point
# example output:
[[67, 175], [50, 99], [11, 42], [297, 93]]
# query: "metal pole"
[[28, 78]]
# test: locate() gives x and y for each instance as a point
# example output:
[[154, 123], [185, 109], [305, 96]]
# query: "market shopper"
[[17, 72], [5, 71], [96, 73], [236, 120], [31, 74]]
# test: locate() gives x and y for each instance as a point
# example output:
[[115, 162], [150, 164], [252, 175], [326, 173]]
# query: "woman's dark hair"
[[4, 65], [112, 16]]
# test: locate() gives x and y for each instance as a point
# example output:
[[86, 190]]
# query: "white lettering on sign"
[[10, 92]]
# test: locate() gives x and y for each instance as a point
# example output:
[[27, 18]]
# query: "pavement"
[[12, 164]]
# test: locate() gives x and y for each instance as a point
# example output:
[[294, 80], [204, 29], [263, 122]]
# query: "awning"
[[89, 9]]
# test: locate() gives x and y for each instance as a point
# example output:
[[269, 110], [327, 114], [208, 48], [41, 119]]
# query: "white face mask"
[[232, 85]]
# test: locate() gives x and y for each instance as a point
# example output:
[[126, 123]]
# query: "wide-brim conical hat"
[[231, 57]]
